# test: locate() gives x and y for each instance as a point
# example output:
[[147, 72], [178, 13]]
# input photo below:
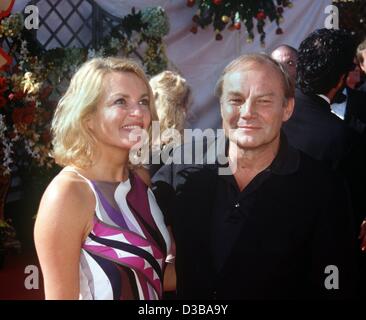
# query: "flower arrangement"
[[24, 117], [24, 127], [26, 87], [11, 26]]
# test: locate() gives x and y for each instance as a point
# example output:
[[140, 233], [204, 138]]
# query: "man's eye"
[[236, 101], [263, 101]]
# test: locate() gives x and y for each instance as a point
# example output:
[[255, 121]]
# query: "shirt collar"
[[287, 159], [324, 97], [312, 101]]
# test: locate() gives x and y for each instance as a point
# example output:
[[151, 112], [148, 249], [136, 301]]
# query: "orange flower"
[[17, 115], [23, 115], [28, 114], [19, 95], [3, 84]]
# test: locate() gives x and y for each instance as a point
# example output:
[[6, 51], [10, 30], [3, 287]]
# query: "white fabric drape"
[[200, 58]]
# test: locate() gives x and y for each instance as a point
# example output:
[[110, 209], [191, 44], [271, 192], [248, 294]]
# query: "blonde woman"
[[99, 233], [172, 100]]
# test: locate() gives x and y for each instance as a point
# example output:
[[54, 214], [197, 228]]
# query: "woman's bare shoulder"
[[68, 196]]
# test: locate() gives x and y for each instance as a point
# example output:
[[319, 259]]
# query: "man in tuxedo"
[[350, 106], [325, 58], [324, 61], [274, 223]]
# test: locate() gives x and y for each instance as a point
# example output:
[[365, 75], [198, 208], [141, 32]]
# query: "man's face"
[[288, 58], [363, 64], [253, 106]]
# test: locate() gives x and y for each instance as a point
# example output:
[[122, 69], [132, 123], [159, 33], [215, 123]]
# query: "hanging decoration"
[[140, 34], [238, 15]]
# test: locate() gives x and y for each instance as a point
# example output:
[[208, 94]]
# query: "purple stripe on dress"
[[113, 213], [136, 263], [140, 204], [135, 251], [111, 272], [144, 286], [101, 230]]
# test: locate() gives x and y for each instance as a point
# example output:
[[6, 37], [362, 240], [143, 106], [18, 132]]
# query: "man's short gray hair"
[[246, 61]]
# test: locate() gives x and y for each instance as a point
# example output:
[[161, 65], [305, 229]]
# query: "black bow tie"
[[340, 98]]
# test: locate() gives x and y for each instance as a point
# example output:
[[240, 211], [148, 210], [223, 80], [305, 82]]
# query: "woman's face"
[[124, 107]]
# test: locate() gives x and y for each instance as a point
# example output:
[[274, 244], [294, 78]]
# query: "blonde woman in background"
[[173, 98], [172, 101], [99, 232]]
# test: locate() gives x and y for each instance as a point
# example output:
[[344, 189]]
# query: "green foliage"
[[233, 14]]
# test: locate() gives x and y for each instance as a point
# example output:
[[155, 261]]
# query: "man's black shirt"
[[273, 240]]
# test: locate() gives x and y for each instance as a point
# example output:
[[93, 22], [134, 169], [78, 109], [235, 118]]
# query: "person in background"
[[173, 98], [361, 59], [350, 104], [286, 55], [172, 101], [99, 232], [353, 79], [325, 59]]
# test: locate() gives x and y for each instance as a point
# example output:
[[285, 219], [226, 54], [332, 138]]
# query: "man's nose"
[[247, 109]]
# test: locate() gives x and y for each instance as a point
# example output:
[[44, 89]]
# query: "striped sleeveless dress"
[[124, 256]]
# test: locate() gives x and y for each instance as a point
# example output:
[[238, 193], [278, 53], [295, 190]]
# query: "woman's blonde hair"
[[172, 99], [73, 144]]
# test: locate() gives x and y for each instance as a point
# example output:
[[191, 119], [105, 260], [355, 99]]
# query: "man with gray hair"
[[278, 226]]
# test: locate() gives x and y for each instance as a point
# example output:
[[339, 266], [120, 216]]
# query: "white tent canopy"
[[201, 58]]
